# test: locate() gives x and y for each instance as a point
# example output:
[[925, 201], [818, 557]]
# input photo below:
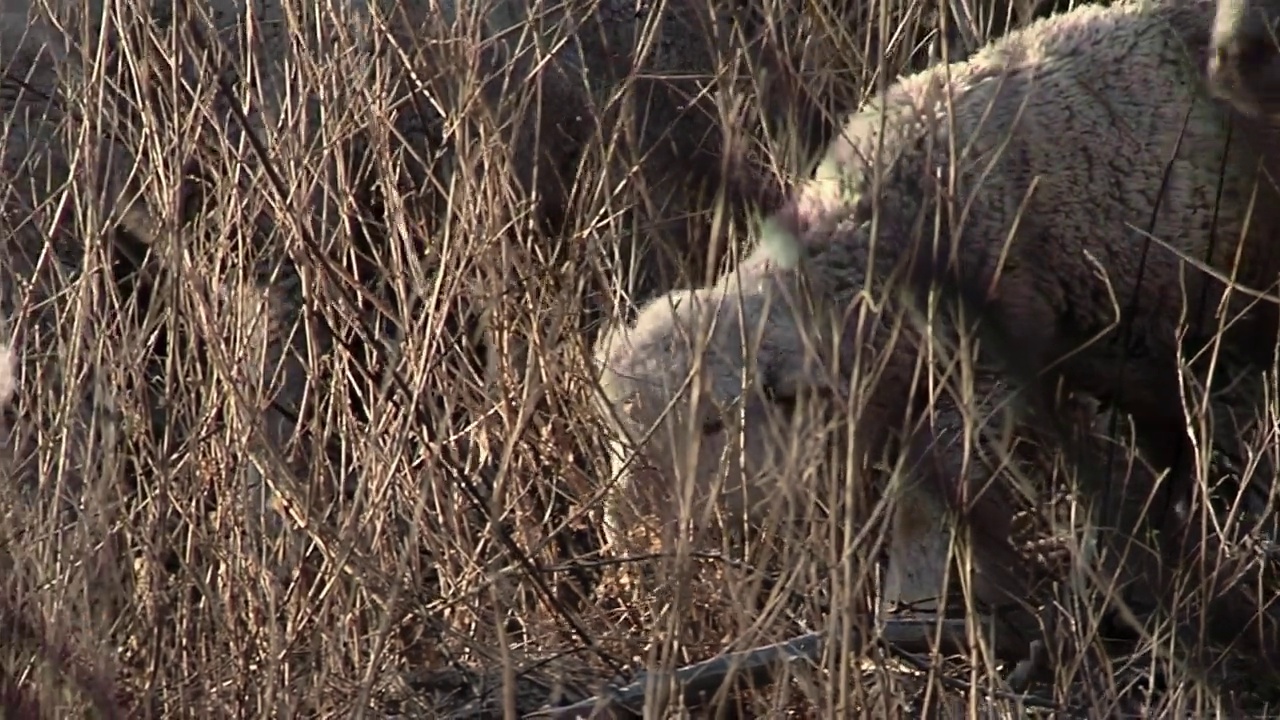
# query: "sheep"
[[1049, 309], [37, 130], [249, 46], [644, 366], [1242, 67], [60, 191], [49, 207], [76, 180], [1054, 308], [1084, 108], [656, 81]]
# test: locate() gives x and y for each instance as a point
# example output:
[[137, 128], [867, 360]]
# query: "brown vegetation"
[[300, 309]]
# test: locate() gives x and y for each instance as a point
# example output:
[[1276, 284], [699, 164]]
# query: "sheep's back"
[[1112, 138], [1076, 133], [1104, 112]]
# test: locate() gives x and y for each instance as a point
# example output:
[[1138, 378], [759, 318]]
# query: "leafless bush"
[[336, 267]]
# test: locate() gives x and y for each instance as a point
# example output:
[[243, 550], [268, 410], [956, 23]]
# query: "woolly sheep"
[[681, 64], [659, 82], [1075, 243], [791, 418], [1090, 106]]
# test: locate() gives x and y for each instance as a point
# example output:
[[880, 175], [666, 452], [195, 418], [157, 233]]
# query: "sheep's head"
[[1244, 61], [720, 397]]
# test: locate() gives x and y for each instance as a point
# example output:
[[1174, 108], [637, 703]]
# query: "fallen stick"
[[757, 666]]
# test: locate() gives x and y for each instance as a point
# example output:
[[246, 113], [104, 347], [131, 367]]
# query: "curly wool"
[[1067, 137], [1076, 141]]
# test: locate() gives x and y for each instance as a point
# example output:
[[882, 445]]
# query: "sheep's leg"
[[1038, 346], [1025, 336], [1161, 425], [1229, 614], [1033, 668], [1029, 338], [1137, 497], [921, 550]]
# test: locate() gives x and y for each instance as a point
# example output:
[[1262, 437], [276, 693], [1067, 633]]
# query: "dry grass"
[[312, 437]]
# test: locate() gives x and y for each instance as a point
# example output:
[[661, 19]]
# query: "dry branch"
[[758, 665], [754, 667]]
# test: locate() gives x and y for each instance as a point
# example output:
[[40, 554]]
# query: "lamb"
[[35, 152], [1065, 132], [39, 211], [73, 184], [792, 418], [247, 46], [44, 164]]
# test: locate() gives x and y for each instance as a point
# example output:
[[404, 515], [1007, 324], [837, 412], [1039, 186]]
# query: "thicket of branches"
[[301, 301]]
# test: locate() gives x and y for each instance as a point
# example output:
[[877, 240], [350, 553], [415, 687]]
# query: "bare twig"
[[758, 665], [763, 665]]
